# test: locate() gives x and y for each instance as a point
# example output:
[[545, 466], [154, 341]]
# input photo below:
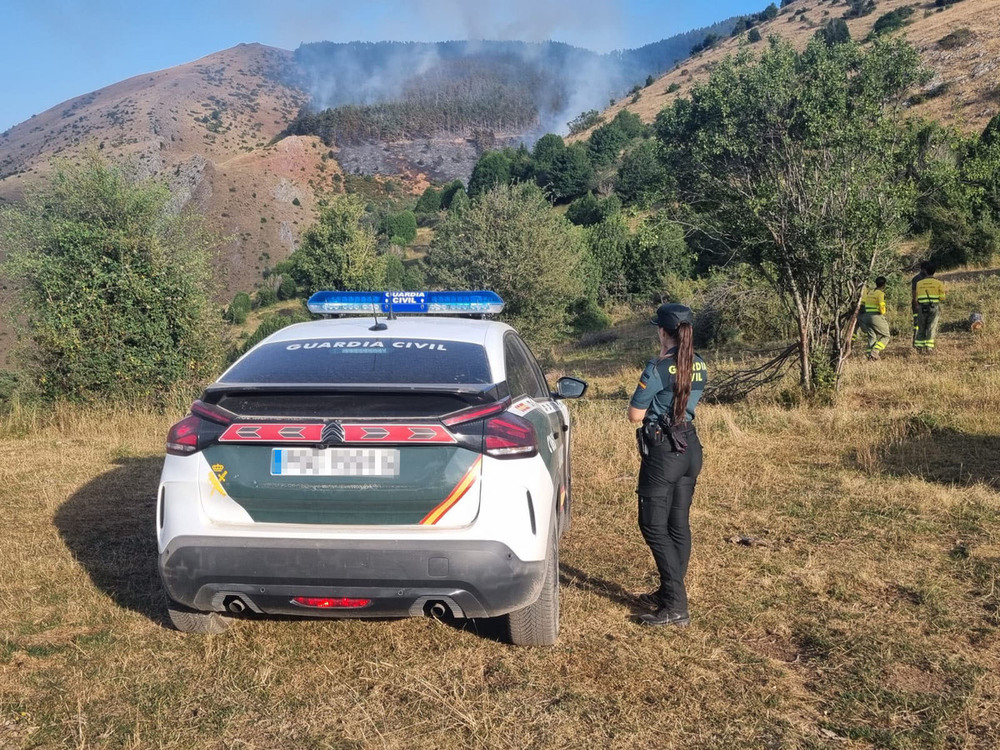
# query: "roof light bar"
[[427, 303]]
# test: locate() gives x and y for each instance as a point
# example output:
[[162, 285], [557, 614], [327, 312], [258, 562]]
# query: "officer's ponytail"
[[685, 366]]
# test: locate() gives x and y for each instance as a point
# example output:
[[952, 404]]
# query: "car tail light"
[[475, 412], [196, 430], [324, 602], [510, 436]]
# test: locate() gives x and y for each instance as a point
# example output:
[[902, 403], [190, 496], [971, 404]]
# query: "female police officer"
[[664, 402]]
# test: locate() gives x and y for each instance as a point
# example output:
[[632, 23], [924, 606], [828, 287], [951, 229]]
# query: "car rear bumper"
[[401, 578]]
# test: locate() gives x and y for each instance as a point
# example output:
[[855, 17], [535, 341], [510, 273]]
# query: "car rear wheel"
[[538, 623], [191, 621]]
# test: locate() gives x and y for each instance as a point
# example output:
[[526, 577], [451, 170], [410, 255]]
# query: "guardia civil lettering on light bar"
[[426, 303]]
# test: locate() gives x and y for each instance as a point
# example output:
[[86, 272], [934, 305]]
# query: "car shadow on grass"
[[109, 525], [570, 576]]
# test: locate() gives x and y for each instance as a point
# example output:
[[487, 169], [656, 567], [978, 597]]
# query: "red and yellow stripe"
[[456, 494]]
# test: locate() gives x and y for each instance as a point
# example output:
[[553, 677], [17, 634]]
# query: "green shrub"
[[394, 272], [892, 21], [113, 286], [587, 317], [401, 227], [239, 308], [265, 297], [958, 38], [287, 289]]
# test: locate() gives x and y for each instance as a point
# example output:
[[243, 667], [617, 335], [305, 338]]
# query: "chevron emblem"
[[332, 434]]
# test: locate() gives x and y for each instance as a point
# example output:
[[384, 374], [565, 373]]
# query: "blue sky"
[[53, 50]]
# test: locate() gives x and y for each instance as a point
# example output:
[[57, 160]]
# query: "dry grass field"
[[866, 613]]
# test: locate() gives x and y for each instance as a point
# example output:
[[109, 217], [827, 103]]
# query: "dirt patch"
[[909, 679]]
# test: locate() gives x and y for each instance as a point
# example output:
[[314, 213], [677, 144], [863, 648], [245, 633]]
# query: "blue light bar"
[[427, 303]]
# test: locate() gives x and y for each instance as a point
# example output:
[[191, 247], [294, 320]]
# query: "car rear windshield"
[[409, 361]]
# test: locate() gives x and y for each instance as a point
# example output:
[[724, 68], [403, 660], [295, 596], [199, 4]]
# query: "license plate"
[[335, 462]]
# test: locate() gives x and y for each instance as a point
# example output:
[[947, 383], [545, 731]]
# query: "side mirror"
[[570, 387]]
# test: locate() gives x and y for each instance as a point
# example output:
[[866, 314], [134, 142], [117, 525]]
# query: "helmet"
[[671, 315]]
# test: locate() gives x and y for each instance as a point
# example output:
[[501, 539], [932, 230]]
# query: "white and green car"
[[373, 467]]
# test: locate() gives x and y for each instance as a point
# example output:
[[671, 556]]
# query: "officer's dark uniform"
[[667, 477]]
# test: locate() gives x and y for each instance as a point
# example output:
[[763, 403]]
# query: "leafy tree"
[[605, 144], [584, 121], [572, 174], [287, 288], [657, 251], [548, 150], [449, 191], [650, 80], [958, 179], [834, 32], [588, 209], [429, 201], [630, 124], [509, 240], [769, 13], [797, 165], [492, 169], [522, 168], [610, 245], [859, 8], [754, 36], [459, 202], [641, 177], [395, 272], [113, 286], [338, 251], [400, 228], [584, 211]]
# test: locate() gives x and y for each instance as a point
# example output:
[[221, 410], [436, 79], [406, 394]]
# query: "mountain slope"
[[205, 126], [961, 43]]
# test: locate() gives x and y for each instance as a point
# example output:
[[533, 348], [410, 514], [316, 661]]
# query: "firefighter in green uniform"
[[872, 319], [929, 295], [913, 296]]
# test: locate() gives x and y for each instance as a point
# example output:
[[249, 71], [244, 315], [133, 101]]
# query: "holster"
[[678, 441]]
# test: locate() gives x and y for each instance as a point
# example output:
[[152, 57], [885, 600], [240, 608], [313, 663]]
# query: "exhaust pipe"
[[236, 605], [438, 610]]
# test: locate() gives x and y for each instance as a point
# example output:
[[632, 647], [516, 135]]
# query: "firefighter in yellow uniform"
[[930, 294], [872, 319]]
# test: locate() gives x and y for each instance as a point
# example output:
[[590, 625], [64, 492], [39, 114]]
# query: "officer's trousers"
[[927, 325], [666, 489], [876, 327]]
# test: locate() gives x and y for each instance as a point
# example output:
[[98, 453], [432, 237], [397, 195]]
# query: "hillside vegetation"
[[957, 40], [863, 613]]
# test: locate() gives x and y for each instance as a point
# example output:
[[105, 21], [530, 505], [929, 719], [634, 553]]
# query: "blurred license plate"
[[335, 462]]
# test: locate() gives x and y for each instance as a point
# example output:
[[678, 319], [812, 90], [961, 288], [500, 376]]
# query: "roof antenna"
[[379, 326]]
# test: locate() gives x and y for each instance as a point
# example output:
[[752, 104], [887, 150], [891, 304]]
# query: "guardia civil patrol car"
[[393, 459]]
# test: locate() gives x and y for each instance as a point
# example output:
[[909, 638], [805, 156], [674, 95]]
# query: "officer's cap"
[[671, 315]]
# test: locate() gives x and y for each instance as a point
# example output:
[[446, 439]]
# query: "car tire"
[[192, 621], [538, 623]]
